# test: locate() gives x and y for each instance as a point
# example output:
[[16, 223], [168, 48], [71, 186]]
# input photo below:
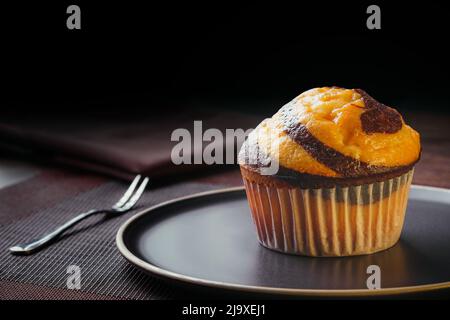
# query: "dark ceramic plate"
[[209, 239]]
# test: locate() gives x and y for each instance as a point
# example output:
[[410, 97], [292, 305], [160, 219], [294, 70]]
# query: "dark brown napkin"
[[118, 144]]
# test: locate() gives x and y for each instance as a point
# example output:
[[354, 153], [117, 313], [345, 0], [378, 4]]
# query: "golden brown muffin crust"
[[339, 134]]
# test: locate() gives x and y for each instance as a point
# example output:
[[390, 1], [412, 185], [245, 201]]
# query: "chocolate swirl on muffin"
[[378, 117], [332, 136]]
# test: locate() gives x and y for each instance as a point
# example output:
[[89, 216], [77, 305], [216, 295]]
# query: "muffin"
[[329, 174]]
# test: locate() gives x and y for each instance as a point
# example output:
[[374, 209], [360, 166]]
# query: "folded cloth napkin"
[[119, 145]]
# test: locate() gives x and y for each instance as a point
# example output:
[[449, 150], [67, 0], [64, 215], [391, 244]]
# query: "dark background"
[[243, 55]]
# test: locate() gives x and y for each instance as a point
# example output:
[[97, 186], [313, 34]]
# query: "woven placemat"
[[105, 274]]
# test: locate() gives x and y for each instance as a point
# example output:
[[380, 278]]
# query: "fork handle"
[[33, 245]]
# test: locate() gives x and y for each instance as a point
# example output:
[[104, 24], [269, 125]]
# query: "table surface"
[[432, 170]]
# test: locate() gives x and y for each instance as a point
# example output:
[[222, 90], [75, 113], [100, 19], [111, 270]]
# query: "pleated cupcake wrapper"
[[340, 221]]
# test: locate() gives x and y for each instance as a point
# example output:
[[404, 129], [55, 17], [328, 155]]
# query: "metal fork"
[[128, 200]]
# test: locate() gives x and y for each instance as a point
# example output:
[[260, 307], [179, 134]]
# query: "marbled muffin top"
[[333, 133]]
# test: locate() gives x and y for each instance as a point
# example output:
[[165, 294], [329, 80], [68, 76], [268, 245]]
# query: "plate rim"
[[133, 259]]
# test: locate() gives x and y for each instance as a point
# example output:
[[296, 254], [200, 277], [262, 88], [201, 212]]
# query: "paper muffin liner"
[[340, 221]]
